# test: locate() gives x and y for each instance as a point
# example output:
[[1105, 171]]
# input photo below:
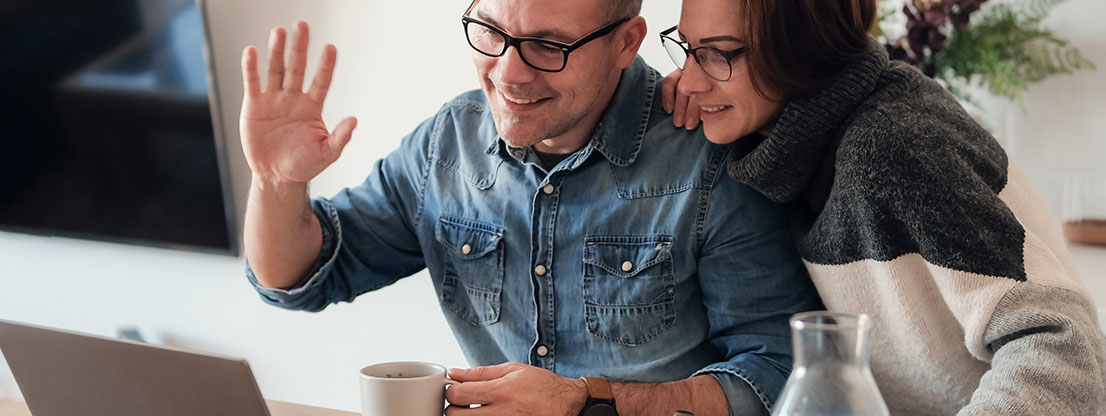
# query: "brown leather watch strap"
[[598, 388]]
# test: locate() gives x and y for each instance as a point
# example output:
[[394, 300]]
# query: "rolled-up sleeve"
[[300, 296], [753, 280]]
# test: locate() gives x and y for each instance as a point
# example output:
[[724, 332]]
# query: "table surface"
[[12, 408]]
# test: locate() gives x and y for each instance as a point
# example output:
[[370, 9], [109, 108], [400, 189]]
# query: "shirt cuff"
[[328, 252], [743, 391]]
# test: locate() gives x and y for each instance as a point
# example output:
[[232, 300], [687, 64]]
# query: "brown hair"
[[796, 47]]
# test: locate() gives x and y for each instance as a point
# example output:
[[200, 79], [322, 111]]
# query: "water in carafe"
[[831, 375]]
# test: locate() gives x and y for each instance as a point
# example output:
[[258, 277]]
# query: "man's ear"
[[628, 39]]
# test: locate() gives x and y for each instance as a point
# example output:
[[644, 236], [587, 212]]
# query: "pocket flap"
[[627, 256], [468, 239]]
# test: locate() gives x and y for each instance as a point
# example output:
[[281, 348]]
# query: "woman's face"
[[729, 109]]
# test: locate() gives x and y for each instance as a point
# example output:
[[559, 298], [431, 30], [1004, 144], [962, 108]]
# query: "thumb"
[[479, 373], [342, 133]]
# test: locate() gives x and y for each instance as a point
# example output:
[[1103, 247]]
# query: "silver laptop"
[[63, 374]]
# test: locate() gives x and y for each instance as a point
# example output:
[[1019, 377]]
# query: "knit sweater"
[[909, 211]]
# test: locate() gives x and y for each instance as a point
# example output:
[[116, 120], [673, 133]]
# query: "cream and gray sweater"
[[909, 211]]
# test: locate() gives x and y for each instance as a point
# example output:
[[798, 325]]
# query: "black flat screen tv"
[[106, 128]]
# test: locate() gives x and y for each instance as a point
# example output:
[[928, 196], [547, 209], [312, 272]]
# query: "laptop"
[[64, 373]]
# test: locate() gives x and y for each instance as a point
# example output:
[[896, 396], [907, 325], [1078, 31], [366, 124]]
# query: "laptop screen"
[[62, 373]]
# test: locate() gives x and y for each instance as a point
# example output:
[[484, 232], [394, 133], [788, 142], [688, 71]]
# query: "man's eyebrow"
[[552, 34]]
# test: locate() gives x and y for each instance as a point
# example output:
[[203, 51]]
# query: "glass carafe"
[[831, 375]]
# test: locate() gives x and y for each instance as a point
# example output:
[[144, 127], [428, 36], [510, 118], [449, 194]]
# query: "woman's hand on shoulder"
[[685, 113]]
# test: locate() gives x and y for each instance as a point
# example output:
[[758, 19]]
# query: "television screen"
[[106, 125]]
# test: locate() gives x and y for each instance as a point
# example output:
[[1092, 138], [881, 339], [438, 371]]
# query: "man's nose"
[[511, 69]]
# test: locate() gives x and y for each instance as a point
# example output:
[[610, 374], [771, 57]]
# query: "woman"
[[905, 208]]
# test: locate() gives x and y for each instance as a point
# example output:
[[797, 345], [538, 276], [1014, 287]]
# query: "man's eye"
[[545, 49]]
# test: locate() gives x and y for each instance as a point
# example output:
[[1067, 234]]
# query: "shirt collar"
[[621, 130]]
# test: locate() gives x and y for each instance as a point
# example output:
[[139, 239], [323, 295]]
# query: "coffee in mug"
[[408, 388]]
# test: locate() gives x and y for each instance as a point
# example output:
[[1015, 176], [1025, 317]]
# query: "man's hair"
[[617, 9]]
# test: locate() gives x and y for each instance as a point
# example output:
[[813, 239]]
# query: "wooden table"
[[11, 408]]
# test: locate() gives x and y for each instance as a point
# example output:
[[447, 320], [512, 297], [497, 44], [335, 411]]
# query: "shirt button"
[[466, 249], [540, 270], [627, 266], [548, 188], [671, 290], [542, 351]]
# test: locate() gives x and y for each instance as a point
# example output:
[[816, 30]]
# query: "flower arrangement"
[[1000, 45]]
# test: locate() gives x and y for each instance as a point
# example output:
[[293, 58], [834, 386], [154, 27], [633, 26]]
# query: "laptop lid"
[[64, 373]]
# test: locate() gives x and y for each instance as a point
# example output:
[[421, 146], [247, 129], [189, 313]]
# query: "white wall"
[[397, 63], [1059, 131]]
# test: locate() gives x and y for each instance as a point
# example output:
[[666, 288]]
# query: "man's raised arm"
[[286, 144]]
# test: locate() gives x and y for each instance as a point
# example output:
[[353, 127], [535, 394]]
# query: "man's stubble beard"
[[552, 128]]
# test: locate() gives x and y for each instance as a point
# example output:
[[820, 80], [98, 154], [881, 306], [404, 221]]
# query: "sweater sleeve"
[[1047, 355], [1042, 338]]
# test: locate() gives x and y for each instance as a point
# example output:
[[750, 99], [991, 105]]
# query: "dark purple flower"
[[928, 23]]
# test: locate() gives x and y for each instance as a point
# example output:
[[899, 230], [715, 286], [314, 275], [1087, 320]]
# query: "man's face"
[[529, 105]]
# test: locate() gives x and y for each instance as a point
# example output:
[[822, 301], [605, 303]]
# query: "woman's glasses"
[[716, 63]]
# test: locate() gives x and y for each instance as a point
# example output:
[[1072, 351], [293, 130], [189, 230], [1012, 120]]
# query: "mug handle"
[[448, 382]]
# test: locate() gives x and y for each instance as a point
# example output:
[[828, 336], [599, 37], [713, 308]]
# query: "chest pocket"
[[629, 287], [473, 268]]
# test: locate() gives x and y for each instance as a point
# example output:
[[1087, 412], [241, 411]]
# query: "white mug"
[[406, 388]]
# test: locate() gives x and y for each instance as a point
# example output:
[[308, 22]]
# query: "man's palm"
[[283, 133]]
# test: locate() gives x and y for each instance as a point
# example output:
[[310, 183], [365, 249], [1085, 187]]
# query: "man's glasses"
[[540, 54], [716, 63]]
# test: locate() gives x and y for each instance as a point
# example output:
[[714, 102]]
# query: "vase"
[[831, 375]]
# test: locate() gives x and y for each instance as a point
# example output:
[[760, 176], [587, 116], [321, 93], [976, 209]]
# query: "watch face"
[[599, 409]]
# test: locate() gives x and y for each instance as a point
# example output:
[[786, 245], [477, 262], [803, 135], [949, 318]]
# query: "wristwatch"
[[600, 399]]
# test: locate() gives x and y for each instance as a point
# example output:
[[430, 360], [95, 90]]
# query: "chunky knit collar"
[[782, 165]]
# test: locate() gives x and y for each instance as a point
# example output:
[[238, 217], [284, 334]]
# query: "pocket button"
[[466, 249], [627, 266]]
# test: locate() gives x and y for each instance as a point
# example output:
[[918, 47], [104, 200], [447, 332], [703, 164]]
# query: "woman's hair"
[[796, 47]]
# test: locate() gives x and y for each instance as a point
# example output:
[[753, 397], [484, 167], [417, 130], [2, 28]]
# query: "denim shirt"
[[636, 258]]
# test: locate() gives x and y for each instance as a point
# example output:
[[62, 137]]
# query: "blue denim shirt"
[[636, 258]]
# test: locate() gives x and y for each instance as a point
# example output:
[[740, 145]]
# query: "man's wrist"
[[277, 186], [578, 395], [600, 398]]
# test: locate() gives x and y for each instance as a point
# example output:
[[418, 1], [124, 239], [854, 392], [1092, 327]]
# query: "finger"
[[293, 77], [692, 114], [668, 90], [469, 393], [341, 135], [276, 59], [679, 112], [480, 373], [251, 83], [321, 85]]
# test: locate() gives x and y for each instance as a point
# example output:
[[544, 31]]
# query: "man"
[[565, 222]]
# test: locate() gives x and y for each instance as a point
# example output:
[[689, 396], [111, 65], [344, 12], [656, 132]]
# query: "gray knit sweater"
[[909, 211]]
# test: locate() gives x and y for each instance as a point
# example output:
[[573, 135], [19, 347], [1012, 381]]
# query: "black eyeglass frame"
[[509, 41], [729, 55]]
